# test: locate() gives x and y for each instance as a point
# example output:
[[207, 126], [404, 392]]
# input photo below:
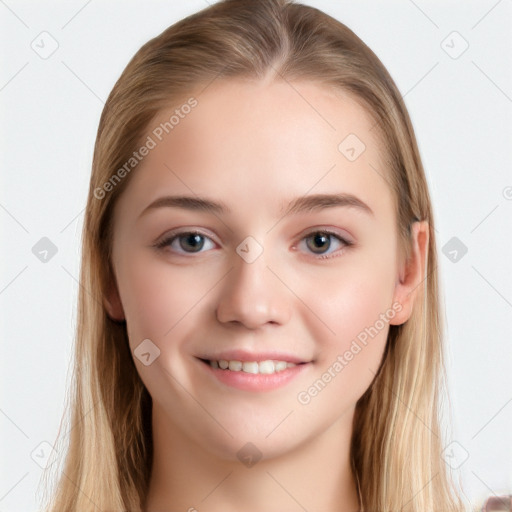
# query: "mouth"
[[265, 367], [253, 372]]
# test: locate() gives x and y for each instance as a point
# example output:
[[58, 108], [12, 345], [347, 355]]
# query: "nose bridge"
[[252, 294]]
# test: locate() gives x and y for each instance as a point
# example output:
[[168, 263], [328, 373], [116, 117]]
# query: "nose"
[[253, 296]]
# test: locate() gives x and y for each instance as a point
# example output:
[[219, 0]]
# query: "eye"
[[186, 242], [324, 243]]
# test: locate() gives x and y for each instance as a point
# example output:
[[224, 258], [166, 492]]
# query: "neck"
[[316, 475]]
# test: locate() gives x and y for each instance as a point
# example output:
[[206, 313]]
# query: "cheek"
[[354, 302], [349, 296], [157, 297]]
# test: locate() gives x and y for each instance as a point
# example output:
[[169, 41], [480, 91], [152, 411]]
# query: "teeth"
[[281, 365], [254, 367], [267, 367], [249, 367], [235, 366]]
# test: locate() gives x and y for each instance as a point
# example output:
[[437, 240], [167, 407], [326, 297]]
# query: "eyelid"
[[341, 234], [166, 239]]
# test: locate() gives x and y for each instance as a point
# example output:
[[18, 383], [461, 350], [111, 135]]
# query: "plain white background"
[[460, 101]]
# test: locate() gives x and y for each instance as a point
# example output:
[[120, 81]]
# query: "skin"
[[255, 146]]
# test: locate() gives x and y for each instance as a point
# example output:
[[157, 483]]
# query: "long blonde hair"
[[397, 443]]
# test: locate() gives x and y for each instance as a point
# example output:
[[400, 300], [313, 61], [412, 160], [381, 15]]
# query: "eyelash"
[[162, 244]]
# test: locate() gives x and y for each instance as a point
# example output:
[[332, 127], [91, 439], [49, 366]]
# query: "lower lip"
[[255, 382]]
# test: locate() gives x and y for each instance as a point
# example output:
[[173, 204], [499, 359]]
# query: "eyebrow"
[[298, 205]]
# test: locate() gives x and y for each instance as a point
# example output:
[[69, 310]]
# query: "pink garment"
[[498, 504]]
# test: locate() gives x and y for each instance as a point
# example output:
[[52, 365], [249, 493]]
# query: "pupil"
[[194, 241], [321, 239]]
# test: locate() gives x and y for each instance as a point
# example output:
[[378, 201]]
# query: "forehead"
[[293, 121], [264, 138]]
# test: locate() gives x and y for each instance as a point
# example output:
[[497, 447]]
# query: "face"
[[286, 250]]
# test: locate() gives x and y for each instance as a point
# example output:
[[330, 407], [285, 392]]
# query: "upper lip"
[[245, 356]]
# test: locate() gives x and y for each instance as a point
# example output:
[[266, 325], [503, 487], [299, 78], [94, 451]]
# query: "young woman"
[[259, 323]]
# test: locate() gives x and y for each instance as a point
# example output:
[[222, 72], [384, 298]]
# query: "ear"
[[411, 272], [112, 302]]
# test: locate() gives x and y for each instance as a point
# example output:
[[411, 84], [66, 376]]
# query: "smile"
[[266, 375], [264, 367]]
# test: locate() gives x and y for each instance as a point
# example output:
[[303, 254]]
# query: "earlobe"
[[411, 273], [112, 303]]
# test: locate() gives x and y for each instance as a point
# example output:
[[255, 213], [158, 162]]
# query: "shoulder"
[[498, 504]]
